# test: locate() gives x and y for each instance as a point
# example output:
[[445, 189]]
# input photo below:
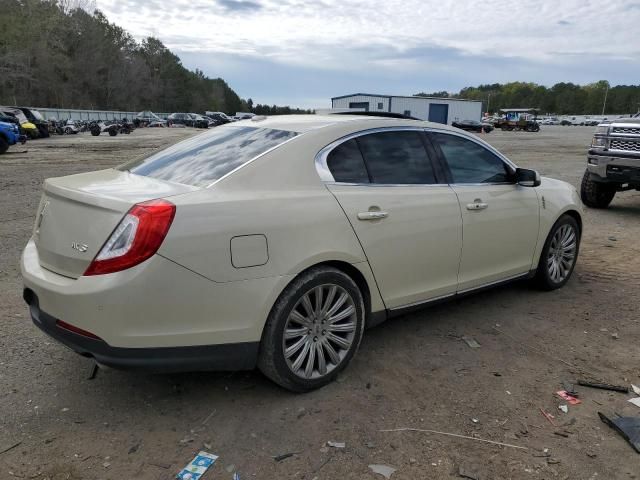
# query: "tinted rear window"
[[205, 158]]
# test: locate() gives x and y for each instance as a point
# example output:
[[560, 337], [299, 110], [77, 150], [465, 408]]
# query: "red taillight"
[[74, 329], [136, 238]]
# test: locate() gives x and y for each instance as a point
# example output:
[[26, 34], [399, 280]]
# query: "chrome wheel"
[[562, 253], [319, 331]]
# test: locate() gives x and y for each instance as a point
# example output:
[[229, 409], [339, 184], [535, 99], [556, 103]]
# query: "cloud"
[[239, 5], [388, 45]]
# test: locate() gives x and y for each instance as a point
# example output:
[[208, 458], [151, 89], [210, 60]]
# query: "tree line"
[[66, 54], [561, 98]]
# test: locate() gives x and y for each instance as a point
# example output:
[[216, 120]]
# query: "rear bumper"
[[614, 168], [233, 356]]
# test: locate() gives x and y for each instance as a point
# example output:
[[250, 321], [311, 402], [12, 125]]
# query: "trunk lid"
[[78, 213]]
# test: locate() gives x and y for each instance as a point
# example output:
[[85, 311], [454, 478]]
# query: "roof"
[[405, 96], [519, 110], [304, 123]]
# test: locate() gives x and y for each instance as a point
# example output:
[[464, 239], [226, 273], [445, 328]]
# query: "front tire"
[[559, 254], [4, 145], [596, 194], [313, 330]]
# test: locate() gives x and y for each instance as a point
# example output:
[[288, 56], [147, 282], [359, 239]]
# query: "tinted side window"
[[396, 157], [346, 164], [470, 162]]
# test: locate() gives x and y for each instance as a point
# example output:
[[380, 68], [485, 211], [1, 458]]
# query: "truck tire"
[[596, 194], [4, 145]]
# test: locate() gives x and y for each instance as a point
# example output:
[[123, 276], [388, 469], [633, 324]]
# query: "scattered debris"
[[627, 427], [562, 434], [284, 456], [10, 447], [613, 239], [94, 372], [471, 342], [197, 467], [164, 465], [635, 401], [563, 394], [236, 476], [548, 416], [336, 444], [604, 386], [615, 335], [464, 472], [204, 422], [106, 464], [635, 389], [453, 435], [134, 449], [563, 408], [570, 389], [384, 470]]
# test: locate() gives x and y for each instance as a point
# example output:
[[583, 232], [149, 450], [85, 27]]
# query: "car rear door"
[[500, 219], [408, 223]]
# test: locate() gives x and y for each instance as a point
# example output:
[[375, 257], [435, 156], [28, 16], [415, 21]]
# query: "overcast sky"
[[303, 52]]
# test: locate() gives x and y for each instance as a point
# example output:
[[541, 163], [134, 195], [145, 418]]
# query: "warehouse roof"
[[403, 96]]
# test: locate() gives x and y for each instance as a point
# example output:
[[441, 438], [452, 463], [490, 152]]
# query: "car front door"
[[500, 219], [407, 222]]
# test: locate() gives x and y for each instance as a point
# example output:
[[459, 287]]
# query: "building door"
[[438, 112], [364, 105]]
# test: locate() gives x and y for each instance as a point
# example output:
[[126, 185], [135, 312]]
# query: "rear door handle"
[[375, 215], [477, 204]]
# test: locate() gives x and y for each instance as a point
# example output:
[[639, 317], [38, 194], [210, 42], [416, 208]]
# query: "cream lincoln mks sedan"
[[274, 242]]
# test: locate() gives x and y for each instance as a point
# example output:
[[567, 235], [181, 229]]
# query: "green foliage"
[[56, 54], [562, 98]]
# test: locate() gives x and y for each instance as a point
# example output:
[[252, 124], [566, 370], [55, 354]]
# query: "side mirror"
[[527, 178]]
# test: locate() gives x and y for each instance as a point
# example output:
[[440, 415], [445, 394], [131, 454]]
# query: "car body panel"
[[404, 249], [500, 239], [77, 214]]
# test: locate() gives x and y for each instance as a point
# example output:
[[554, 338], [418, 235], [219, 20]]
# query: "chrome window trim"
[[321, 157], [327, 177]]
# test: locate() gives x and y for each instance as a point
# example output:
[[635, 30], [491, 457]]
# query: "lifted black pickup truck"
[[613, 163]]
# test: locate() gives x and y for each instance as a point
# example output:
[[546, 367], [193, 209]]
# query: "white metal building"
[[434, 109]]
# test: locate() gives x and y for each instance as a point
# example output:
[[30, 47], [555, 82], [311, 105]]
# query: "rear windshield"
[[205, 158]]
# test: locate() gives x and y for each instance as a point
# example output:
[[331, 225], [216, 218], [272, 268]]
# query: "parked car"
[[473, 126], [35, 117], [147, 118], [180, 119], [70, 127], [200, 121], [221, 117], [10, 135], [262, 244], [26, 127]]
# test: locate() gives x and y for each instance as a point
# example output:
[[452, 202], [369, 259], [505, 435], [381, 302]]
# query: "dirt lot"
[[414, 371]]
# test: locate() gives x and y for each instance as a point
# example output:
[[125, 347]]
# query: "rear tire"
[[313, 330], [4, 145], [596, 194], [113, 132], [559, 254]]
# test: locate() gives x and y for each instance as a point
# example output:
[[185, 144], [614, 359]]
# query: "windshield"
[[37, 115], [205, 158]]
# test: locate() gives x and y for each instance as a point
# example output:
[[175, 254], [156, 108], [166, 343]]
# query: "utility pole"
[[604, 104]]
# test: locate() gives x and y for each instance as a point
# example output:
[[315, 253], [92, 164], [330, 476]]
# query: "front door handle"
[[477, 204], [374, 215]]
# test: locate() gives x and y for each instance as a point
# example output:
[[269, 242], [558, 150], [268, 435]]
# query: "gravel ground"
[[412, 372]]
